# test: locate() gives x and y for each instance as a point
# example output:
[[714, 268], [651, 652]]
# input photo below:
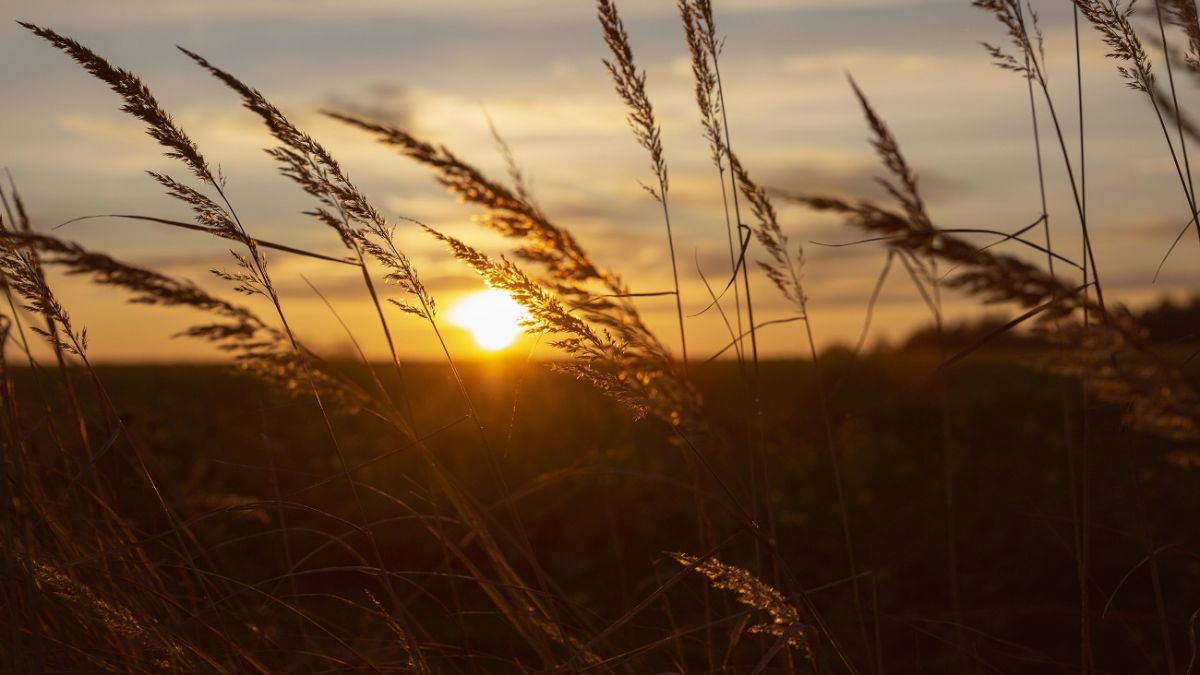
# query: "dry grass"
[[87, 586]]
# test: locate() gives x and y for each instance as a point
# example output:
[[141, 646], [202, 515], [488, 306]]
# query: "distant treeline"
[[1168, 323]]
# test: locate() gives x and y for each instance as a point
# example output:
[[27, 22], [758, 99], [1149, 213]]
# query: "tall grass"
[[107, 569]]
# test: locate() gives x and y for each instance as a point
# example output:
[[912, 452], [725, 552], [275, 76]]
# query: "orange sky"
[[434, 67]]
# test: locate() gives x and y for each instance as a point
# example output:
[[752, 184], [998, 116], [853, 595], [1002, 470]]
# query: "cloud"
[[514, 11], [382, 102], [877, 60], [853, 181], [119, 130]]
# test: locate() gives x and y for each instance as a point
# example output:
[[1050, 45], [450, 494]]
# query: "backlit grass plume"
[[1011, 16], [252, 277], [1111, 19], [784, 270], [363, 229], [911, 233], [572, 279], [751, 591], [23, 273], [302, 158], [1183, 14], [344, 208], [1117, 368], [86, 607], [630, 84], [1109, 358], [700, 34], [138, 101], [596, 357], [508, 213], [257, 348]]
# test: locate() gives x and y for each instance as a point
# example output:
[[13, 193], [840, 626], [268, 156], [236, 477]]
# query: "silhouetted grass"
[[904, 510]]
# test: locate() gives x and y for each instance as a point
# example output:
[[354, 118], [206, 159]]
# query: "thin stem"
[[835, 462], [758, 459], [1086, 655], [737, 293], [674, 272], [1078, 190], [1189, 187], [295, 345]]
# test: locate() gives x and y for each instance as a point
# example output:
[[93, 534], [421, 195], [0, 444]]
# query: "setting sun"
[[492, 317]]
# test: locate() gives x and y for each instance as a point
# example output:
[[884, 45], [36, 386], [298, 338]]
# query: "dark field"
[[599, 499]]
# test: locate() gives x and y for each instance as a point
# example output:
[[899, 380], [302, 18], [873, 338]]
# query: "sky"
[[440, 68]]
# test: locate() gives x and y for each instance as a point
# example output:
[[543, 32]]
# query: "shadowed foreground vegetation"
[[602, 500]]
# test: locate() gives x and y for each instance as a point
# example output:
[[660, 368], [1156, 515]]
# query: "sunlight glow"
[[492, 317]]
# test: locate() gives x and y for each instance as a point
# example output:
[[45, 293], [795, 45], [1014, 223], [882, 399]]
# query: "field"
[[1011, 494], [602, 500]]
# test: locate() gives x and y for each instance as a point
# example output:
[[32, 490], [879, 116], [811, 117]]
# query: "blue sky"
[[435, 66]]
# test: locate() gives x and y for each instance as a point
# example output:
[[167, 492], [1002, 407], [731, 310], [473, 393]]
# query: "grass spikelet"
[[139, 102], [1114, 366], [782, 269], [1110, 359], [1110, 18], [573, 279], [508, 213], [630, 84], [903, 187], [911, 232], [341, 206], [414, 659], [303, 159], [1162, 402], [700, 34], [1183, 14], [258, 349], [120, 621], [22, 268], [400, 271], [1008, 13], [751, 591], [630, 377], [995, 277], [208, 214]]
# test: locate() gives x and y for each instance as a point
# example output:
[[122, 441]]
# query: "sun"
[[492, 317]]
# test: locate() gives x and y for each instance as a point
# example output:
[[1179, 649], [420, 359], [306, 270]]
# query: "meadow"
[[1016, 494]]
